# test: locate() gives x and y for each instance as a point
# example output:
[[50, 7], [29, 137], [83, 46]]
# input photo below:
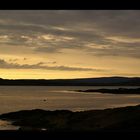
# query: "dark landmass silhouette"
[[102, 81], [123, 119], [114, 91]]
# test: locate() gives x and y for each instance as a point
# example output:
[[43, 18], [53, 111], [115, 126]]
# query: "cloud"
[[5, 65], [108, 32], [12, 60]]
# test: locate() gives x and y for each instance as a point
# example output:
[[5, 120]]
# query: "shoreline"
[[111, 119], [113, 91]]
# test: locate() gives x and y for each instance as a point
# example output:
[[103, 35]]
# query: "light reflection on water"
[[15, 98], [6, 125]]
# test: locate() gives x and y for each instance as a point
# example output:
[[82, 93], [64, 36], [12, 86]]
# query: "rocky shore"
[[124, 119]]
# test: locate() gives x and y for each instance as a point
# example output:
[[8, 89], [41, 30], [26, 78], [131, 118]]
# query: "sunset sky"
[[58, 44]]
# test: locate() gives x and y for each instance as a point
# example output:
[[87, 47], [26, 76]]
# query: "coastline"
[[121, 119], [113, 91]]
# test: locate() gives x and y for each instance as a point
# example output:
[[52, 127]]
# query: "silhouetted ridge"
[[103, 81]]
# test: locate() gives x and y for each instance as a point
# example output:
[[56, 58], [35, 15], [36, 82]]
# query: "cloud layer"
[[6, 65], [60, 43], [97, 32]]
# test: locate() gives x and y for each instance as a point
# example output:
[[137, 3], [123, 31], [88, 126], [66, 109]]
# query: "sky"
[[65, 44]]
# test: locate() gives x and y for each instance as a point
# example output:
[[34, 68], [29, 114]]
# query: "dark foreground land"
[[124, 119], [114, 91]]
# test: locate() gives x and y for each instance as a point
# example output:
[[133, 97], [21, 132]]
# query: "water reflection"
[[6, 125], [15, 98]]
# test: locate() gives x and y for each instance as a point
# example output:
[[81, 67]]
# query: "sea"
[[16, 98]]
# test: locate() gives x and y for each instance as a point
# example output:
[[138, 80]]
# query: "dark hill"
[[102, 81]]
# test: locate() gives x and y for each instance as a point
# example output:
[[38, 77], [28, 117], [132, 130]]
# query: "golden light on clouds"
[[47, 44], [124, 39]]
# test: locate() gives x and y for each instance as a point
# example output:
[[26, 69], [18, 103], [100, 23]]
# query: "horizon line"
[[77, 78]]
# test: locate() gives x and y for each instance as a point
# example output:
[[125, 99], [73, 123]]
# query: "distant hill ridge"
[[101, 81]]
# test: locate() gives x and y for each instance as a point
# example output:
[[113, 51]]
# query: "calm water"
[[15, 98]]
